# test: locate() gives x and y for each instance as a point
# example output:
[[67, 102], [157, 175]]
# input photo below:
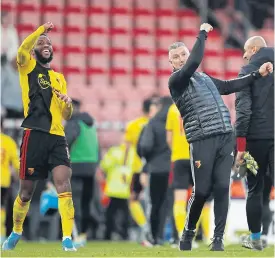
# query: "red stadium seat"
[[145, 42], [215, 42], [77, 20], [167, 22], [213, 62], [189, 20], [109, 138], [171, 4], [233, 60], [82, 4], [98, 38], [148, 4], [28, 4], [125, 4], [122, 62], [59, 4], [122, 20], [122, 41]]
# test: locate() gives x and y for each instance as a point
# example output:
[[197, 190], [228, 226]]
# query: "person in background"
[[132, 133], [10, 89], [118, 181], [182, 177], [255, 131], [153, 147], [9, 158], [83, 144]]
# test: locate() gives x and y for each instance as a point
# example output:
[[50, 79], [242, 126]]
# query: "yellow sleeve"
[[169, 120], [128, 136], [24, 59], [14, 158]]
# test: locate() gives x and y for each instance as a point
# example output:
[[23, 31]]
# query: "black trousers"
[[117, 205], [158, 193], [82, 189], [263, 153], [211, 161]]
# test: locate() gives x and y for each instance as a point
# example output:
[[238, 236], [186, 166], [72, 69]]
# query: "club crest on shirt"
[[197, 163], [43, 82]]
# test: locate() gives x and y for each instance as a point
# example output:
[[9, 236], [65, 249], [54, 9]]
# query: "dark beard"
[[42, 59]]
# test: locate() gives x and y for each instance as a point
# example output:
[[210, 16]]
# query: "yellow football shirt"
[[174, 123], [42, 108], [132, 133], [9, 156]]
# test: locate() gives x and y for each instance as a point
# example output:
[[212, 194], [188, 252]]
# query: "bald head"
[[252, 46]]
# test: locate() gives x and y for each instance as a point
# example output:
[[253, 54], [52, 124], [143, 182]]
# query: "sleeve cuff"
[[241, 144]]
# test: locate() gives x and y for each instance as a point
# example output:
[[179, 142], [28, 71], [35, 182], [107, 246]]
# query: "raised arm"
[[180, 79], [23, 54], [230, 86]]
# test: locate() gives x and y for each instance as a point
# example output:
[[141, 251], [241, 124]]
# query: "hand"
[[239, 158], [48, 27], [266, 69], [63, 97], [207, 27]]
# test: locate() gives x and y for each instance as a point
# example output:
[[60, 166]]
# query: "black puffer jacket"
[[152, 144], [255, 105], [198, 96]]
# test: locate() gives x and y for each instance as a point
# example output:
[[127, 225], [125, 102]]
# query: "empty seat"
[[145, 62], [59, 4], [214, 42], [145, 42], [121, 78], [164, 41], [76, 60], [170, 5], [76, 77], [132, 110], [99, 60], [213, 62], [147, 21], [99, 39], [34, 3], [77, 20], [105, 4], [127, 4], [98, 77], [168, 22], [188, 20], [122, 61], [148, 5], [57, 61], [233, 60], [76, 39], [109, 138], [30, 17], [146, 86], [79, 3], [122, 21], [122, 41]]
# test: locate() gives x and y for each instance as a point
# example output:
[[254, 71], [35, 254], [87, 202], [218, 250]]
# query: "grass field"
[[120, 249]]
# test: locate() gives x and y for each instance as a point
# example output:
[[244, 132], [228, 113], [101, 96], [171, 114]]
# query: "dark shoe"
[[186, 240], [252, 244], [217, 244]]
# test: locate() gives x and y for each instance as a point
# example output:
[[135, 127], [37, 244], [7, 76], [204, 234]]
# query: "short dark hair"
[[146, 106]]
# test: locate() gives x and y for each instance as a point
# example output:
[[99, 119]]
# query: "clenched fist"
[[207, 27], [266, 69], [48, 26]]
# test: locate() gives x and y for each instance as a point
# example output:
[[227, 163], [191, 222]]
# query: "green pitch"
[[125, 249]]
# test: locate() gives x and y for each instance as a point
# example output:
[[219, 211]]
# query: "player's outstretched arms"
[[23, 54]]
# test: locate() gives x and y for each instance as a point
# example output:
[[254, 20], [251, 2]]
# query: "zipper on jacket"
[[217, 105]]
